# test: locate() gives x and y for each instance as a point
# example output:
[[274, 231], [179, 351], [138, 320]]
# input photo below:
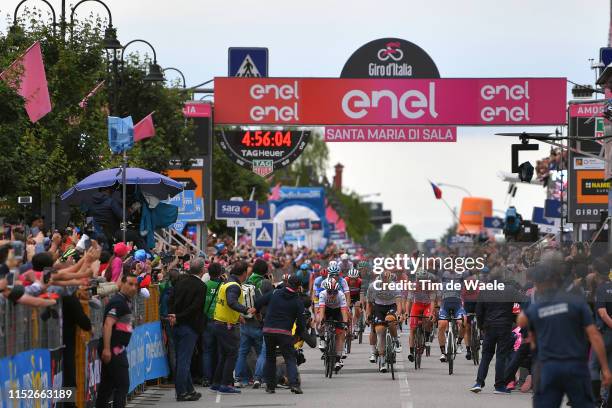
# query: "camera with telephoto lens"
[[47, 272], [93, 287]]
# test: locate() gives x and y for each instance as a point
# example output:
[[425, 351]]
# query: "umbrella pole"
[[124, 182]]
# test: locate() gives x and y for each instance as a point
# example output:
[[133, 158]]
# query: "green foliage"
[[309, 168], [69, 143], [397, 239]]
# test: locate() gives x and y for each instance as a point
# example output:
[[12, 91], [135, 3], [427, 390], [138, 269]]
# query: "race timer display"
[[263, 150]]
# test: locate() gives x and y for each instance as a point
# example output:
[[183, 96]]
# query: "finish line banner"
[[448, 101]]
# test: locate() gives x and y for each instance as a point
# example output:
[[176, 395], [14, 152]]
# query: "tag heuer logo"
[[263, 167]]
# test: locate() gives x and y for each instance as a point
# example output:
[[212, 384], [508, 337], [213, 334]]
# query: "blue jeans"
[[185, 339], [209, 355], [500, 338], [250, 336], [556, 378]]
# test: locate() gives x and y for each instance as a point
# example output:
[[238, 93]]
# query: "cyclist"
[[303, 274], [470, 298], [354, 284], [333, 271], [345, 264], [316, 271], [419, 303], [333, 306], [382, 301], [450, 299], [317, 288]]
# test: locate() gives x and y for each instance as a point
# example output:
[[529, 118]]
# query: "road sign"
[[247, 62], [537, 217], [235, 209], [552, 208], [251, 224], [236, 222], [493, 222], [265, 211], [265, 236]]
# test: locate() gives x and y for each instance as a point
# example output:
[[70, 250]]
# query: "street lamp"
[[180, 73], [109, 41], [15, 27], [455, 186], [155, 73]]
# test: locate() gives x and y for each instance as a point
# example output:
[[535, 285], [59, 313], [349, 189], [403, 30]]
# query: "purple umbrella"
[[149, 182]]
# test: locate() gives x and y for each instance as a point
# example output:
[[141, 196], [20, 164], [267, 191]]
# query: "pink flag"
[[83, 103], [31, 83], [144, 129], [275, 193]]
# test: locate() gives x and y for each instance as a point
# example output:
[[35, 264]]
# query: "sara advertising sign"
[[235, 209], [330, 101], [297, 225]]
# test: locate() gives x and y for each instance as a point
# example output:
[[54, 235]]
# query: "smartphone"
[[17, 247]]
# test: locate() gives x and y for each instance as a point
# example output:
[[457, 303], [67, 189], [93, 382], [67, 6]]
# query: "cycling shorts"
[[470, 307], [355, 298], [447, 305], [417, 310], [381, 311], [333, 314]]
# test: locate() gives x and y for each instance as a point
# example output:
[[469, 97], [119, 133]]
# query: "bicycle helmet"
[[305, 266], [333, 270], [421, 273], [316, 267], [353, 273], [344, 257], [323, 273], [331, 285], [332, 263]]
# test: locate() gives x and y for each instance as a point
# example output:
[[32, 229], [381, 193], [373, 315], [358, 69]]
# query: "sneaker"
[[296, 390], [189, 397], [338, 366], [411, 357], [383, 369], [270, 390], [511, 386], [321, 344], [459, 349], [476, 388], [501, 390], [443, 358], [372, 358], [214, 388], [205, 383], [224, 389], [238, 384], [526, 385], [344, 355], [398, 347], [468, 355], [256, 384]]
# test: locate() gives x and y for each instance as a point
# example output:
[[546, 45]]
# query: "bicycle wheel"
[[450, 350], [331, 352], [390, 355], [419, 342], [348, 341], [475, 343]]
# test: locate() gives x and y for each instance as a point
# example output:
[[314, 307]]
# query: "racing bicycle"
[[474, 338], [450, 347], [389, 357], [330, 356]]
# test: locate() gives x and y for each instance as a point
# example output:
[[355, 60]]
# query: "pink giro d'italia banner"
[[390, 134], [448, 101]]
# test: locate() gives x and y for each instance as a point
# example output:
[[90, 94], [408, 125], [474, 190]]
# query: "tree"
[[449, 233], [397, 240], [69, 143]]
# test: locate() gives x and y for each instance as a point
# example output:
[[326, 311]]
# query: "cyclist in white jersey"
[[450, 298], [333, 306]]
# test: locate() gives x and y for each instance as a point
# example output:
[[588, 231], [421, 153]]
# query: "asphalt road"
[[360, 385]]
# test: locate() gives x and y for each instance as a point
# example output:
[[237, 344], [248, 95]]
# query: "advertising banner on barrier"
[[390, 134], [447, 101], [92, 372], [28, 370], [57, 371], [146, 354]]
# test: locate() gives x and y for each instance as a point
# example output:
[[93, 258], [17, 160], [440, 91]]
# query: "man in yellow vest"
[[227, 317]]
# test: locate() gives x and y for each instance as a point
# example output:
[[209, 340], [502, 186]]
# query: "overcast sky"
[[468, 38]]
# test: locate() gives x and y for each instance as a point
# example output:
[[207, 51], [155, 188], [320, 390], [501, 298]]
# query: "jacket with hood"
[[106, 212], [284, 308]]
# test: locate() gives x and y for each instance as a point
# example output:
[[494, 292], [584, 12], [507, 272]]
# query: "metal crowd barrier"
[[22, 328]]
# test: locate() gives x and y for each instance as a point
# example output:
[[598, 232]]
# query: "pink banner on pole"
[[390, 134], [197, 110], [586, 110], [447, 101]]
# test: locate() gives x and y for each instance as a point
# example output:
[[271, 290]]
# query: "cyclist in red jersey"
[[354, 283]]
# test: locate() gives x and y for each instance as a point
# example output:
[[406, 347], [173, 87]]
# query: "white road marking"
[[405, 392], [218, 400]]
